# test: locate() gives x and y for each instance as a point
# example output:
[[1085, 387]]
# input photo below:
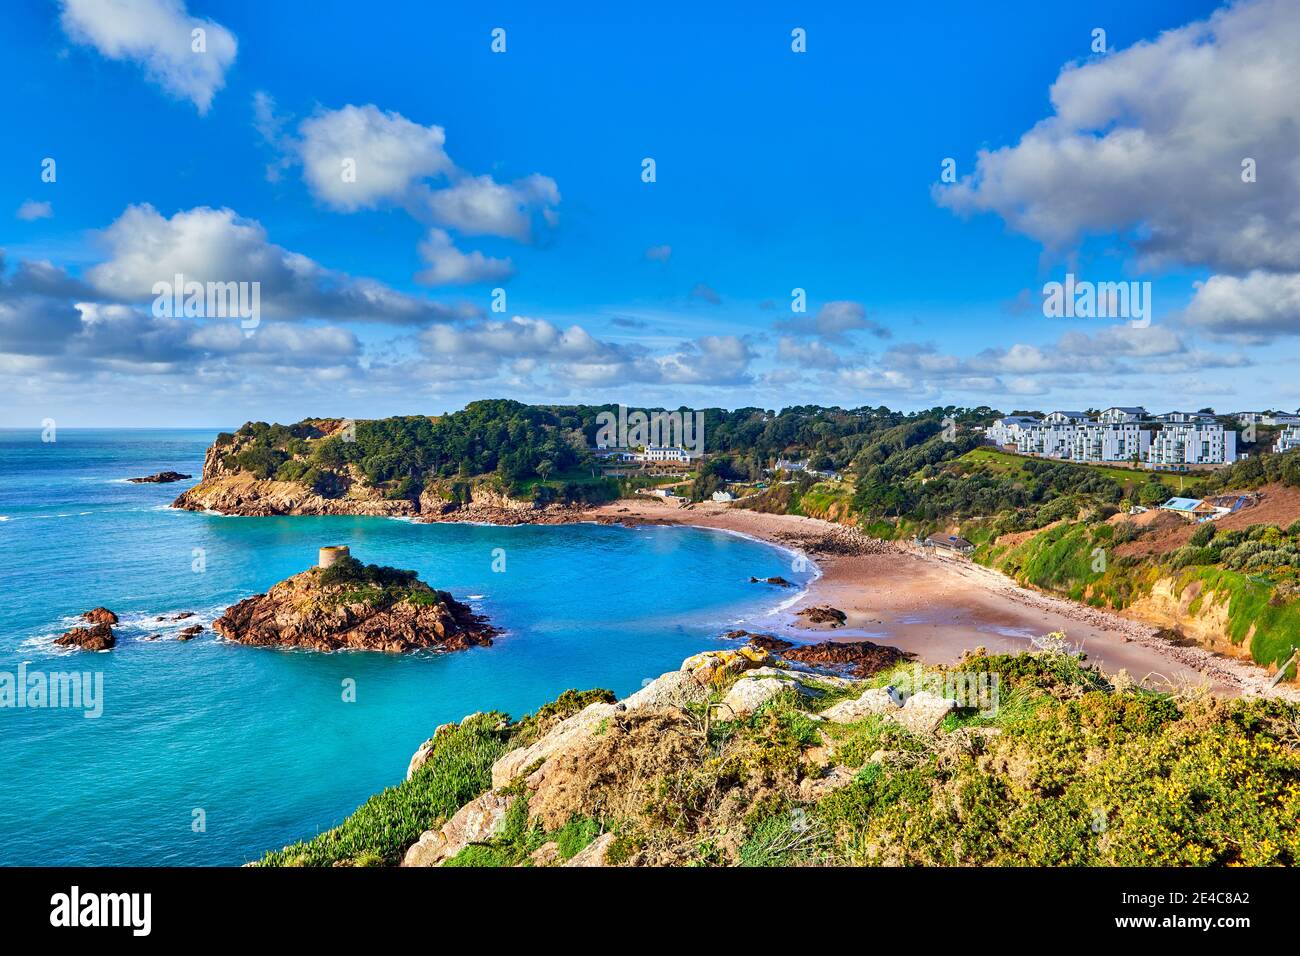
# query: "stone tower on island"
[[333, 554]]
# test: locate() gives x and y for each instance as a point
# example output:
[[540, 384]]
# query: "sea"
[[206, 752]]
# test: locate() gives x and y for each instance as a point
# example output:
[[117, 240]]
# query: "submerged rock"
[[162, 478]]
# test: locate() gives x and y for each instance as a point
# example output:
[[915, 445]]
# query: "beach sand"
[[938, 607]]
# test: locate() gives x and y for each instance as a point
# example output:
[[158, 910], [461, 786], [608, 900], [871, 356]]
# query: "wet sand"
[[938, 607]]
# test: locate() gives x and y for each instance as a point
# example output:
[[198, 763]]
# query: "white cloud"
[[480, 206], [217, 245], [32, 210], [159, 36], [449, 266], [1151, 140], [390, 155], [659, 253], [1255, 307]]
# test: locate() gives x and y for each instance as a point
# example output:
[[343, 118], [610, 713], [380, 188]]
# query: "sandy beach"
[[938, 607]]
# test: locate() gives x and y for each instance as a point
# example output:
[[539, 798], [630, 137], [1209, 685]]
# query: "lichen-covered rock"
[[568, 734], [714, 667], [674, 689], [595, 853], [876, 700], [476, 822], [814, 788]]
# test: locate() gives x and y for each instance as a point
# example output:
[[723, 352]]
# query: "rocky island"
[[344, 604], [161, 478]]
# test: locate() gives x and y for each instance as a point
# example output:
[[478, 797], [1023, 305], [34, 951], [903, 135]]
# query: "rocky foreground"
[[741, 758], [355, 607]]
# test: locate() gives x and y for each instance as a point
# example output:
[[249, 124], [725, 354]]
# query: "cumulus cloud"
[[659, 253], [32, 210], [160, 36], [217, 245], [833, 322], [1255, 307], [705, 293], [480, 206], [362, 157], [1152, 139], [447, 265]]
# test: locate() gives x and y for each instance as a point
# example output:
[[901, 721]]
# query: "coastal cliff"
[[316, 467], [351, 606], [739, 758]]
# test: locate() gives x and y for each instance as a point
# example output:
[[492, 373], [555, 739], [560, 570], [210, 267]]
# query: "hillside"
[[734, 760]]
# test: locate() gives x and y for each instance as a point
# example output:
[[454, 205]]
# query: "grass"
[[1009, 463], [378, 833]]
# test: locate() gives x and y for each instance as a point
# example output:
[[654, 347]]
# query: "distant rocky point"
[[349, 605], [162, 478]]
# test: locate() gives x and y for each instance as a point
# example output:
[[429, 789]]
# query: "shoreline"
[[938, 607]]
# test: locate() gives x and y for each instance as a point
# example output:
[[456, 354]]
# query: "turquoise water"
[[262, 741]]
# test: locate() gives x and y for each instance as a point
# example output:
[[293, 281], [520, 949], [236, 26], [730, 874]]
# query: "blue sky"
[[522, 170]]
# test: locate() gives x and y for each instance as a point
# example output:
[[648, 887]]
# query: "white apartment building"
[[1065, 418], [1288, 439], [1109, 441], [1007, 431], [1046, 440], [1196, 443], [1120, 415]]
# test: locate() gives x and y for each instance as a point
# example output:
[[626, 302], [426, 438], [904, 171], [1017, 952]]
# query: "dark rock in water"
[[768, 642], [162, 478], [776, 580], [100, 615], [379, 609], [830, 616], [190, 632], [97, 637], [174, 617], [153, 637], [855, 658]]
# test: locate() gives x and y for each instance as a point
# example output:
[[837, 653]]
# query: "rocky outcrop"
[[242, 494], [778, 581], [568, 734], [162, 478], [595, 853], [304, 612], [824, 616], [922, 712], [100, 615], [477, 822], [97, 637]]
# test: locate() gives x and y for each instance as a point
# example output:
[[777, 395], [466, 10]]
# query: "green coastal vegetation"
[[1070, 769]]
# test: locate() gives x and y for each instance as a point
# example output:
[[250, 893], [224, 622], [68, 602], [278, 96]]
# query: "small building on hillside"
[[1193, 509], [949, 542], [723, 496]]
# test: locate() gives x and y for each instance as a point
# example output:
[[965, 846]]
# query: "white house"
[[785, 464], [1193, 443], [723, 496], [666, 453], [1120, 415], [1288, 439]]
